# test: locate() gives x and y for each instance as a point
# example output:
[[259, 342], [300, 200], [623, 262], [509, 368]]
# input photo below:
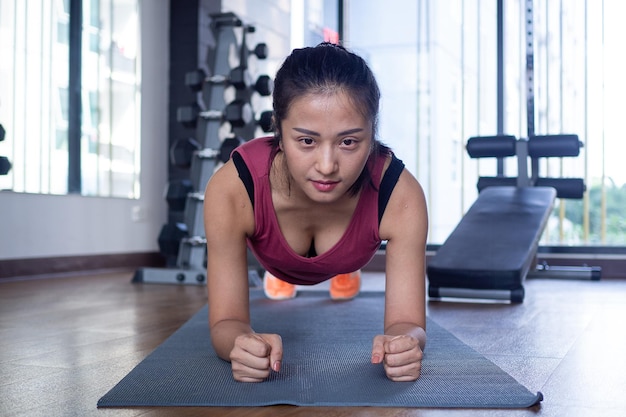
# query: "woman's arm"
[[228, 219], [404, 226]]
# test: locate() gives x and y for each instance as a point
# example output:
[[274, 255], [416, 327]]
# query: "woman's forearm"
[[224, 333]]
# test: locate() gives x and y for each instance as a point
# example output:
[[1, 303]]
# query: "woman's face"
[[326, 142]]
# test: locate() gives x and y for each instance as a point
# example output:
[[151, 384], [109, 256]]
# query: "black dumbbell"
[[5, 165], [183, 151], [173, 234], [261, 51], [238, 113], [264, 85], [176, 193], [2, 132], [265, 121], [170, 236], [238, 77]]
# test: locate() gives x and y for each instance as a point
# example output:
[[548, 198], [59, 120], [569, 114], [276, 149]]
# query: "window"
[[579, 88], [34, 96], [436, 62]]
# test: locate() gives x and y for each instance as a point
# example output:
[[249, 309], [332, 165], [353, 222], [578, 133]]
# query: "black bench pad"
[[495, 243]]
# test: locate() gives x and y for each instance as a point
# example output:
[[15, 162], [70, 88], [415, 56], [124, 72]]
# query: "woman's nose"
[[326, 162]]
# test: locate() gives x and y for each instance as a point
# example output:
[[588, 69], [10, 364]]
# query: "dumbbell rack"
[[190, 266]]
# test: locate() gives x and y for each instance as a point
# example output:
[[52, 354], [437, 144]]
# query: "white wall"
[[34, 226]]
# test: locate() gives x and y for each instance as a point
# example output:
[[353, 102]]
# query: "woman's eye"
[[307, 141], [348, 142]]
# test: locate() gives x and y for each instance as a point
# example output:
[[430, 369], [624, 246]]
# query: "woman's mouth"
[[325, 186]]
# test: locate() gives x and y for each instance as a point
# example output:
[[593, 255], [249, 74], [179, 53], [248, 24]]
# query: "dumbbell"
[[5, 165], [178, 191], [183, 151], [265, 120], [172, 235], [261, 51], [238, 113], [238, 77]]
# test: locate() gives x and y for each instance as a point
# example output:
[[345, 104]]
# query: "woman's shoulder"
[[407, 204], [223, 182], [226, 197]]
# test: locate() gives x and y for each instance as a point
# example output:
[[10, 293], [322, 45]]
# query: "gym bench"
[[493, 248]]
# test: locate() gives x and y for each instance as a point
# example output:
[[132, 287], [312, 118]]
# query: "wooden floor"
[[64, 342]]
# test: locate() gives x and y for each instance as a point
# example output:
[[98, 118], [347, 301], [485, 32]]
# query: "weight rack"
[[183, 242]]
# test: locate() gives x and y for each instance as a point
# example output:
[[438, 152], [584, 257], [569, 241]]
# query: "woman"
[[313, 201]]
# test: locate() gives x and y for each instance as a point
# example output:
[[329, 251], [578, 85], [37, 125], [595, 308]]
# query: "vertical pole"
[[500, 78], [530, 85], [74, 129], [340, 12], [530, 89]]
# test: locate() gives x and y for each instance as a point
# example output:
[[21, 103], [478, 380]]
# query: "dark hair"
[[324, 69]]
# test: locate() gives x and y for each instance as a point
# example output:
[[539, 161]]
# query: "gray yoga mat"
[[326, 362]]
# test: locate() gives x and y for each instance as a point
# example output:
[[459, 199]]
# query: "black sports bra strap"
[[390, 178], [244, 174]]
